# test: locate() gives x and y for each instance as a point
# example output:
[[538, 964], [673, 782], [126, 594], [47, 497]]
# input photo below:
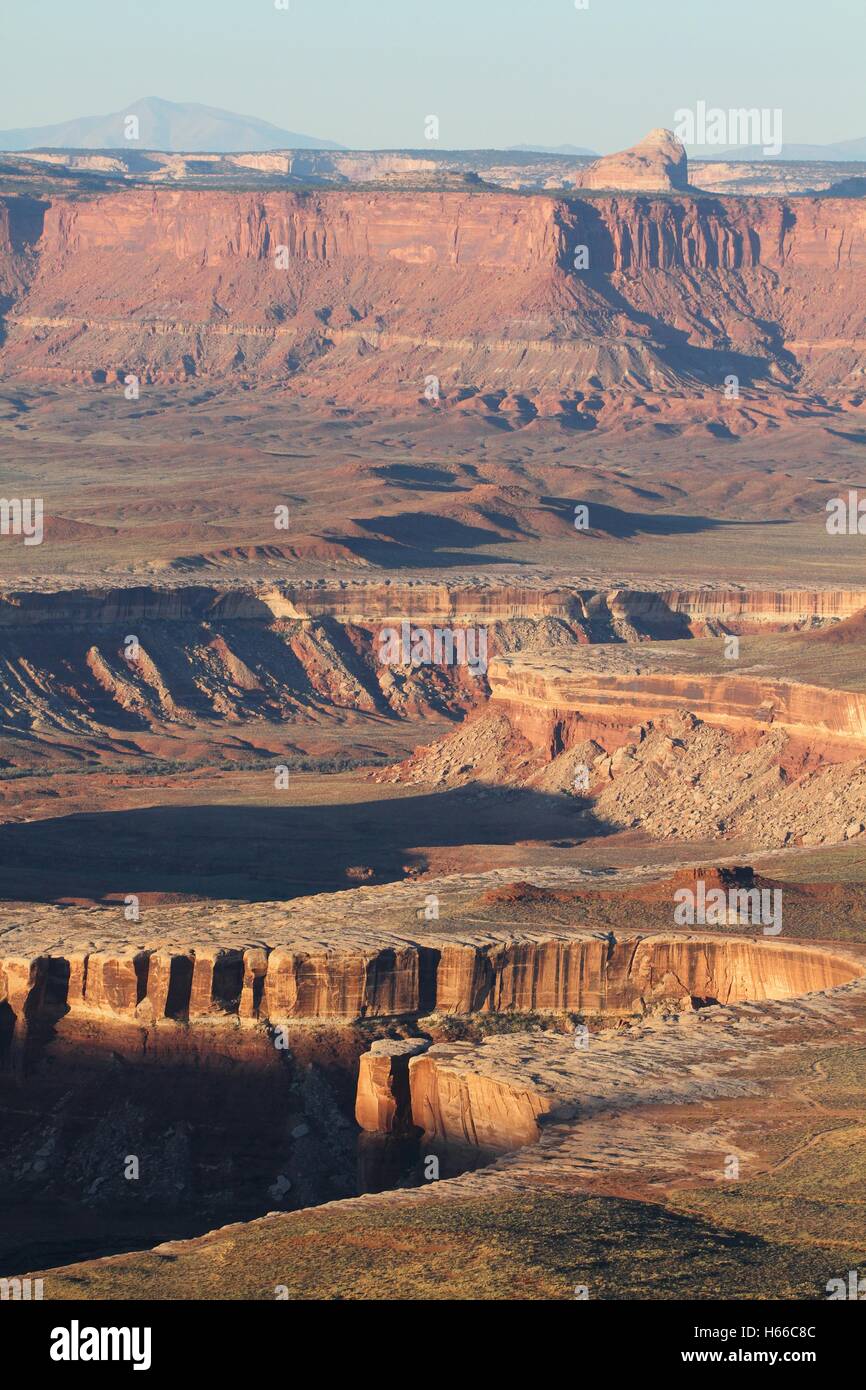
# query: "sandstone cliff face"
[[382, 1103], [746, 610], [632, 614], [341, 984], [646, 613], [176, 283], [718, 233], [164, 985], [482, 231], [512, 1091], [538, 702], [217, 230], [453, 1104], [438, 604], [657, 162]]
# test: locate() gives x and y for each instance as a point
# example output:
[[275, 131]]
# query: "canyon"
[[194, 284], [639, 1111], [135, 671], [293, 1038], [330, 944]]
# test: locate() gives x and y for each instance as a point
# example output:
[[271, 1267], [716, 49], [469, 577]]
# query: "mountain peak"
[[175, 127]]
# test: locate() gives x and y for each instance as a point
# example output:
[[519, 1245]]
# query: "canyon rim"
[[433, 676]]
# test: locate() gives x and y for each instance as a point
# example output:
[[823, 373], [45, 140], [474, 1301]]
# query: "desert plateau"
[[433, 682]]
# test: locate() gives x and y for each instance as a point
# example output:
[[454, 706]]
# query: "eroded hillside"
[[365, 295]]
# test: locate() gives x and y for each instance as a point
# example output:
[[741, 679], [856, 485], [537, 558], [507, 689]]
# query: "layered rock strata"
[[649, 613], [289, 652], [565, 972], [382, 1104], [540, 704], [643, 1112], [487, 231], [175, 284]]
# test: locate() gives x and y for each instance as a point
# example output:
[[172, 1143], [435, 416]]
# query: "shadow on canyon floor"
[[620, 524], [222, 1129], [265, 853]]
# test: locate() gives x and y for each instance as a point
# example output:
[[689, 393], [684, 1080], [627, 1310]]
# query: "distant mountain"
[[849, 149], [165, 125], [553, 149], [843, 151]]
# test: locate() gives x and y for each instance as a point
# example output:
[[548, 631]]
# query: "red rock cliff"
[[182, 281], [490, 231]]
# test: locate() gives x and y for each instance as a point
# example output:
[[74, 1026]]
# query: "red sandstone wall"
[[286, 983], [536, 701], [216, 228], [650, 612], [491, 231]]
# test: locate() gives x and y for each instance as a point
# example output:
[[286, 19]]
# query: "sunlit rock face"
[[162, 987], [656, 163], [382, 1104], [87, 282]]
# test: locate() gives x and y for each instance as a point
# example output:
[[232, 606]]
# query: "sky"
[[367, 73]]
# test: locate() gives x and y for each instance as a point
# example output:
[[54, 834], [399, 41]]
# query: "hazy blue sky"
[[496, 72]]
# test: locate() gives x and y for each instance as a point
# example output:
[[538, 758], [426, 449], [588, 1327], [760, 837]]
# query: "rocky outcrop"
[[541, 699], [655, 164], [457, 1105], [585, 973], [382, 1104], [246, 276]]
